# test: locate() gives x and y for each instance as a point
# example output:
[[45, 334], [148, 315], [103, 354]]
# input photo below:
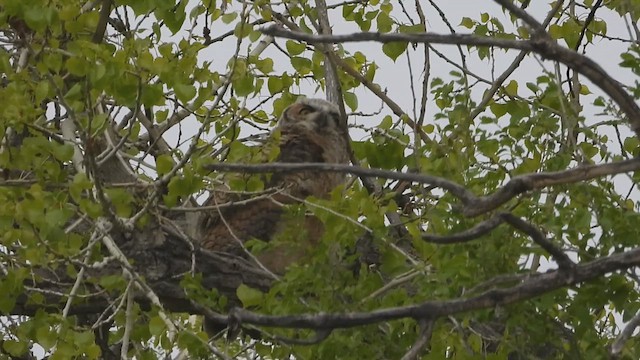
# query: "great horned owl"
[[310, 130]]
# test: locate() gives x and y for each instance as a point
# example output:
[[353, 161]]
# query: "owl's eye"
[[306, 110]]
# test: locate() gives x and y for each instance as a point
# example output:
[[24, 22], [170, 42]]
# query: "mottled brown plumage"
[[310, 130]]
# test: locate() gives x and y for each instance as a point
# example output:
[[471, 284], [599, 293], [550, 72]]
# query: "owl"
[[309, 130]]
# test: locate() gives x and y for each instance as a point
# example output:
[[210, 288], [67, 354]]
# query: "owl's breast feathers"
[[304, 146]]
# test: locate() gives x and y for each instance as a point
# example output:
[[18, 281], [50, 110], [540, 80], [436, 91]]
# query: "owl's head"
[[316, 115]]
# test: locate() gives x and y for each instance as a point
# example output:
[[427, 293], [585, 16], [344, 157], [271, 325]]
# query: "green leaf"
[[386, 122], [228, 18], [112, 282], [351, 100], [584, 90], [122, 201], [498, 109], [62, 152], [555, 31], [164, 164], [347, 11], [152, 95], [73, 93], [589, 150], [631, 144], [157, 326], [394, 49], [174, 17], [45, 337], [275, 84], [512, 88], [77, 66], [249, 296], [15, 348], [162, 115], [418, 28], [265, 66], [384, 21], [489, 147], [242, 30], [295, 48], [189, 341], [79, 184], [43, 91], [302, 65], [254, 35], [243, 86], [184, 92], [467, 22], [83, 338]]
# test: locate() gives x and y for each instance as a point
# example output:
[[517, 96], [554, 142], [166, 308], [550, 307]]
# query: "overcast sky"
[[394, 77]]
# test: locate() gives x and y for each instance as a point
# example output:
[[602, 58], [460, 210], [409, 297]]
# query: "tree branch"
[[475, 232], [625, 335], [534, 287], [560, 257], [424, 336], [473, 205], [540, 43], [417, 38]]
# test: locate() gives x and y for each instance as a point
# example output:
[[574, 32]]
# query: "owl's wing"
[[237, 219], [210, 217]]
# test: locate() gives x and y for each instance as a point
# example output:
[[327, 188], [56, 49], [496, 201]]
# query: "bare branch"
[[521, 184], [521, 13], [417, 38], [424, 336], [105, 10], [560, 257], [473, 205], [456, 189], [475, 232], [624, 336]]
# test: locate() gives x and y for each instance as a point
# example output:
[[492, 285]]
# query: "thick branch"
[[473, 205], [164, 264], [424, 38], [534, 287]]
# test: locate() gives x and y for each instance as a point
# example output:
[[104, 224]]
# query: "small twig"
[[397, 281], [625, 335], [128, 326], [475, 232], [320, 336], [424, 337], [536, 235]]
